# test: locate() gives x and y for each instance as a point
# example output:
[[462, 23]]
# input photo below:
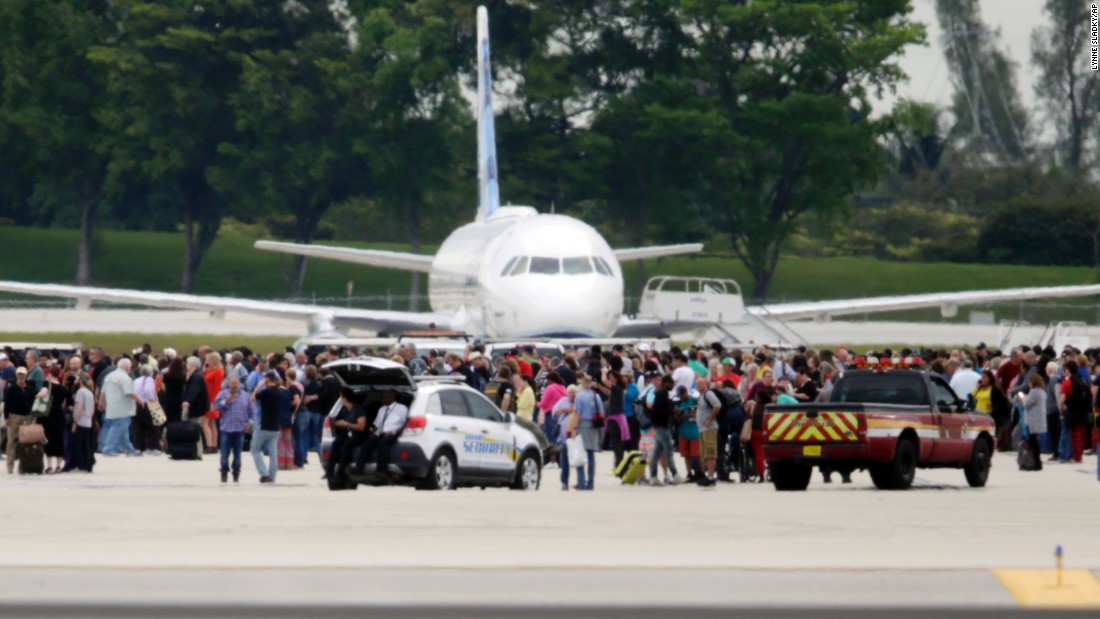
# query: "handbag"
[[42, 405], [156, 412], [1026, 459], [575, 451], [597, 417], [746, 430]]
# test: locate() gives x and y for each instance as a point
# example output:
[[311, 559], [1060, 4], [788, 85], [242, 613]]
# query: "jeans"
[[563, 463], [266, 442], [104, 434], [313, 438], [551, 426], [118, 437], [300, 432], [664, 445], [1065, 449], [231, 442], [590, 470]]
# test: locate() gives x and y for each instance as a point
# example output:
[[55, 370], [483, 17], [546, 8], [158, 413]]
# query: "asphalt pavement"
[[144, 536]]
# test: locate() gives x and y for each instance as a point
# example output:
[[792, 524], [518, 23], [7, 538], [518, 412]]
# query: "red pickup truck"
[[890, 422]]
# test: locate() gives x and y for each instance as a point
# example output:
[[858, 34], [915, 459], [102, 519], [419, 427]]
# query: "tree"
[[297, 113], [1070, 92], [792, 81], [641, 150], [52, 96], [988, 116], [174, 69], [420, 121]]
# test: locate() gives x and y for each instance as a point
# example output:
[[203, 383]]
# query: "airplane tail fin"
[[489, 192]]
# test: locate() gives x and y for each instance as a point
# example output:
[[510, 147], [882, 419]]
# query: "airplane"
[[517, 273]]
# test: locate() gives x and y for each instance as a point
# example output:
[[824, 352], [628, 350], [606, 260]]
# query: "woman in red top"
[[214, 374]]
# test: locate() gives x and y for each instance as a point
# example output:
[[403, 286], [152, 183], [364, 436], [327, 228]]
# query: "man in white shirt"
[[965, 380], [683, 375], [120, 406], [388, 423]]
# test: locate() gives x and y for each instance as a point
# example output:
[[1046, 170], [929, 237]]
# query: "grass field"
[[154, 261]]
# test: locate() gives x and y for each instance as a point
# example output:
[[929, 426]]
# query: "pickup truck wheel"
[[791, 476], [977, 470], [897, 474]]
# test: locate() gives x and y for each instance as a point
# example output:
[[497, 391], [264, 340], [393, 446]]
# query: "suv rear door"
[[373, 375], [497, 443]]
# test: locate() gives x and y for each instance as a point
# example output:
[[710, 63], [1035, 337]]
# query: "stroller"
[[739, 456]]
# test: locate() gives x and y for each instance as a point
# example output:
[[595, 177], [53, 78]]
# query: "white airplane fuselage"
[[521, 274]]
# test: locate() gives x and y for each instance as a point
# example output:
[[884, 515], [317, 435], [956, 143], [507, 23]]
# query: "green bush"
[[1030, 230], [902, 232]]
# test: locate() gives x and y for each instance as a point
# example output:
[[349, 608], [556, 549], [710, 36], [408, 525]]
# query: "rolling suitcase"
[[31, 459], [31, 442], [632, 467], [182, 440]]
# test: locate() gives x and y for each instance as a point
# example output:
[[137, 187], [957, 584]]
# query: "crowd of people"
[[694, 409]]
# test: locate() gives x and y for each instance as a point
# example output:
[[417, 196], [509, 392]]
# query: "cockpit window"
[[545, 266], [508, 267], [601, 267], [577, 266], [520, 268]]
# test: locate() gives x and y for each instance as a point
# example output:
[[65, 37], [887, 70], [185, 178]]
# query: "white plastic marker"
[[1058, 558]]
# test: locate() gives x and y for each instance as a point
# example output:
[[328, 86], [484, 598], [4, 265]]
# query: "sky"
[[928, 75]]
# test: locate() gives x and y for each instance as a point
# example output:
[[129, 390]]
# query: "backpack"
[[640, 412], [725, 405], [1079, 401]]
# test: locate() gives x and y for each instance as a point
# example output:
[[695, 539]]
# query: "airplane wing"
[[948, 302], [657, 251], [372, 257], [318, 317]]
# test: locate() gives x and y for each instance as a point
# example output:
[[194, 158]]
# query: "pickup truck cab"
[[887, 421]]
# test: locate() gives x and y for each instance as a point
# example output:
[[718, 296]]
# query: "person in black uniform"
[[353, 426]]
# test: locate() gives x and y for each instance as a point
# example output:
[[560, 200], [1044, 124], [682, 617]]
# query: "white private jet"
[[516, 273]]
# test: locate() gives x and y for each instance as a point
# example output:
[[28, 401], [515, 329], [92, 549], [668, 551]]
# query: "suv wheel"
[[528, 474], [442, 473]]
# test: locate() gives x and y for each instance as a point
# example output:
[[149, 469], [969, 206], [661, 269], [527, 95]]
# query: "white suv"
[[454, 437]]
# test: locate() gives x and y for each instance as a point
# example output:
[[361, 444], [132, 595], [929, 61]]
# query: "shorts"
[[708, 440], [689, 448]]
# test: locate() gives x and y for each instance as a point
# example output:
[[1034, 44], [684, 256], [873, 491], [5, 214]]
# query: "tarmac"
[[144, 535]]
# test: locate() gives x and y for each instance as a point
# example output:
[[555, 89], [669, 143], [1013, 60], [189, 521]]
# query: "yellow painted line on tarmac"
[[1040, 588]]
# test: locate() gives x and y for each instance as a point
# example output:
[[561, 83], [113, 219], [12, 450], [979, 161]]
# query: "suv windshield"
[[900, 387]]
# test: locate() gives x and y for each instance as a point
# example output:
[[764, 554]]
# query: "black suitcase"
[[31, 459], [182, 440]]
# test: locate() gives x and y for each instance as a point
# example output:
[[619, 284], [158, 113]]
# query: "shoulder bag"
[[42, 404], [156, 411]]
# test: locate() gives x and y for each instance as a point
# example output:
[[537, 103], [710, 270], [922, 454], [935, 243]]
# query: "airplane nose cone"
[[577, 308]]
